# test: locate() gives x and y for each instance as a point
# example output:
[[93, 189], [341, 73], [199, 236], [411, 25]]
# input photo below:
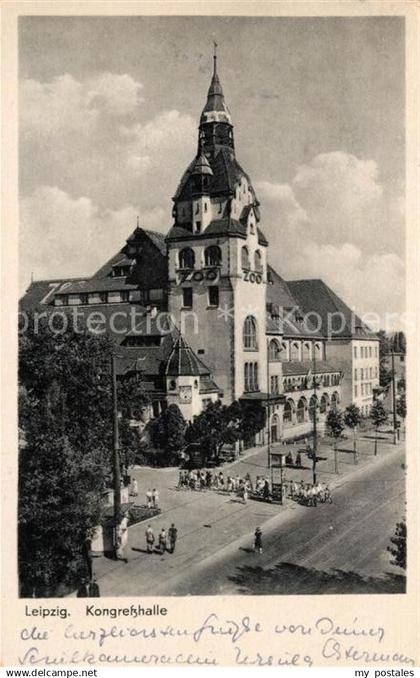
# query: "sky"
[[109, 109]]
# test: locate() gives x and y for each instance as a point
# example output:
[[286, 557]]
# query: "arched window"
[[250, 333], [212, 256], [274, 350], [186, 258], [306, 351], [258, 261], [284, 349], [275, 428], [318, 351], [335, 399], [288, 413], [245, 258], [300, 412], [313, 404], [294, 351], [324, 404]]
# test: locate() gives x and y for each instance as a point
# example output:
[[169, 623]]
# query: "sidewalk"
[[209, 522]]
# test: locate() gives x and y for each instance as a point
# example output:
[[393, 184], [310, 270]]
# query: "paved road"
[[330, 549], [212, 554]]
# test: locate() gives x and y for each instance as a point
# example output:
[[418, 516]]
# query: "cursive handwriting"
[[229, 627], [334, 649], [327, 626]]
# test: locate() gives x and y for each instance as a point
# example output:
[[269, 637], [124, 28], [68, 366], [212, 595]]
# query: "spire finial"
[[138, 221], [214, 56]]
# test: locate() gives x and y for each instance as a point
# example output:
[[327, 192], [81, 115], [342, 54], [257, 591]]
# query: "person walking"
[[258, 540], [150, 539], [121, 540], [149, 498], [173, 535], [134, 488], [162, 540], [83, 590], [94, 591], [245, 493], [155, 498]]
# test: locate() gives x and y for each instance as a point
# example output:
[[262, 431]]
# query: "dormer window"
[[252, 227], [197, 208], [197, 226]]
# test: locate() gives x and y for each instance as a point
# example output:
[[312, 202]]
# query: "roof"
[[336, 319], [207, 385], [201, 165], [157, 239], [42, 292], [215, 102], [219, 227], [304, 367], [183, 361], [277, 290], [110, 284], [227, 174]]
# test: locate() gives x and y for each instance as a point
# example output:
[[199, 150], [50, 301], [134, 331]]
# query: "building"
[[351, 344], [202, 315]]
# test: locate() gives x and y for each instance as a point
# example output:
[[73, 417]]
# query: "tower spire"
[[214, 57]]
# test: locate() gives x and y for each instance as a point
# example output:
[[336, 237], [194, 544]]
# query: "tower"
[[217, 258]]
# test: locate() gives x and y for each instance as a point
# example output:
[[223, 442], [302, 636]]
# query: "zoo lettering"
[[198, 276]]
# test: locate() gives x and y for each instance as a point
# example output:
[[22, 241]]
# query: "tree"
[[335, 427], [216, 426], [65, 415], [379, 416], [169, 432], [398, 549], [352, 419]]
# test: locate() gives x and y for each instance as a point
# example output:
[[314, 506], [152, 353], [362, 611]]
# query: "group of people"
[[88, 588], [209, 480], [309, 494], [289, 460], [164, 540]]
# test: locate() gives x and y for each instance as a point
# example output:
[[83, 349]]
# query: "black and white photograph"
[[212, 325]]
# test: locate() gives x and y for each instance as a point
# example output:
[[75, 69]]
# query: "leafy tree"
[[169, 431], [379, 416], [352, 419], [335, 424], [220, 425], [65, 417], [398, 549]]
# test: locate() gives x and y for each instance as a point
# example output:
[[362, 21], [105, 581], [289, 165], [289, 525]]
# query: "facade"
[[201, 315], [351, 345]]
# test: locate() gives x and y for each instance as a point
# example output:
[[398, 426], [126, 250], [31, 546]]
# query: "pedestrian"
[[121, 540], [155, 498], [83, 590], [94, 591], [245, 493], [258, 540], [162, 540], [149, 498], [298, 461], [173, 535], [150, 539], [134, 488]]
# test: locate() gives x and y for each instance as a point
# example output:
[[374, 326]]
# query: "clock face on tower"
[[185, 394]]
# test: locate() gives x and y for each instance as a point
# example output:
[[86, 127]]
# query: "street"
[[338, 548]]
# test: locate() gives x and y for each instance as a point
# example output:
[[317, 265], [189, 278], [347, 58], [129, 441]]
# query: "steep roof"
[[225, 226], [336, 319], [277, 290], [183, 361]]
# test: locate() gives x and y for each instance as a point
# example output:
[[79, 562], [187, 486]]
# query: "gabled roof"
[[336, 319], [225, 226]]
